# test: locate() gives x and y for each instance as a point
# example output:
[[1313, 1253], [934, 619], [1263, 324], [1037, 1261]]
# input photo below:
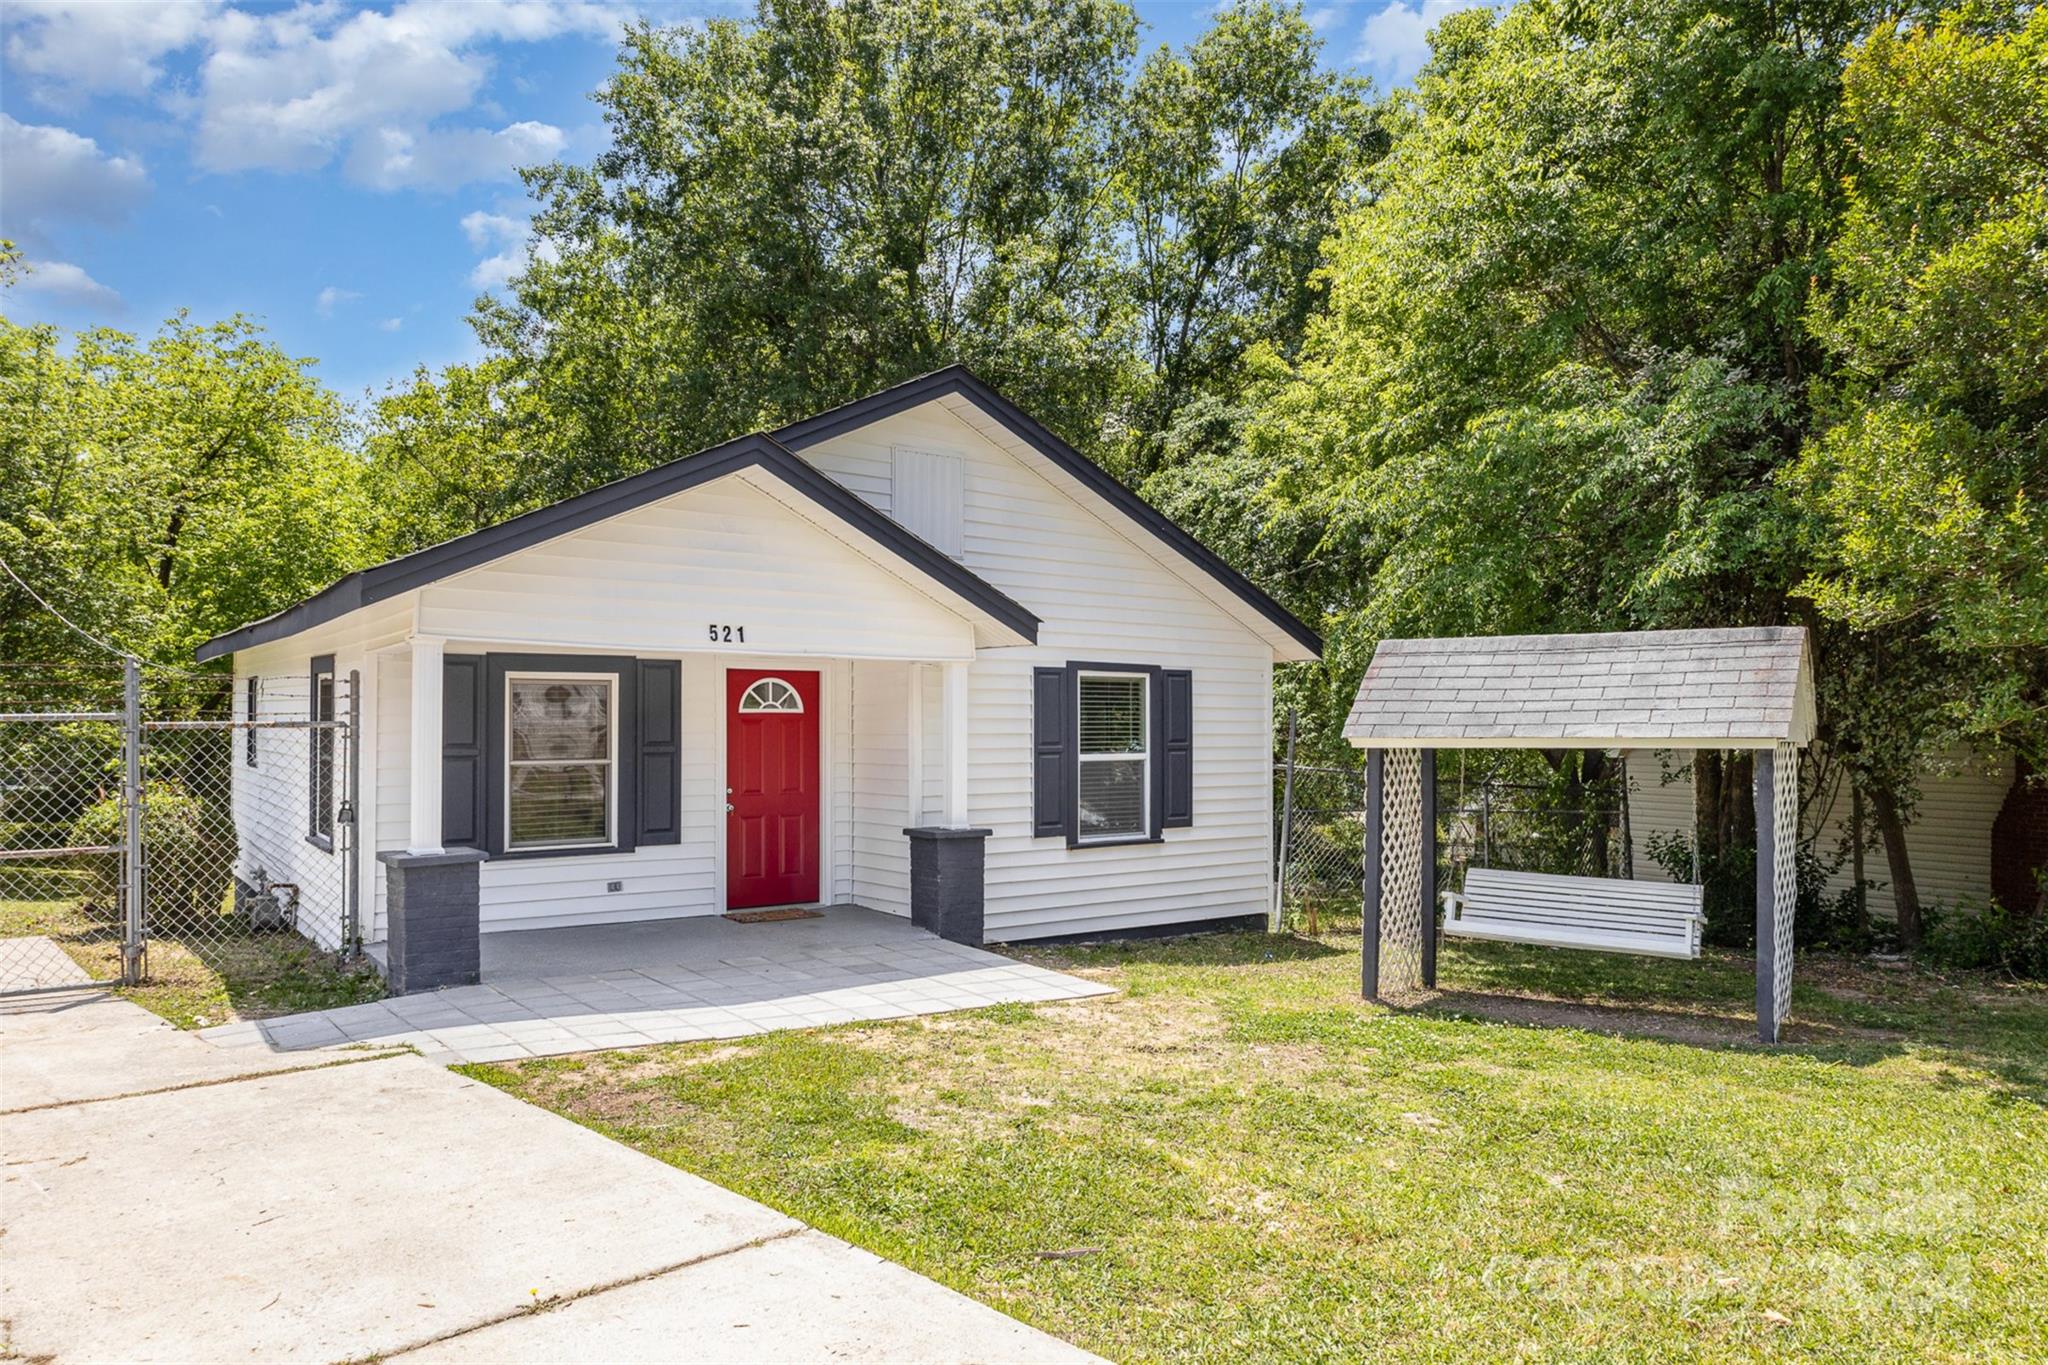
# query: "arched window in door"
[[770, 695]]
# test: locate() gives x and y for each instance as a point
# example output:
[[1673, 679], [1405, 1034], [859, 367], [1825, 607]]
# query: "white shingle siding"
[[1746, 686], [1948, 839]]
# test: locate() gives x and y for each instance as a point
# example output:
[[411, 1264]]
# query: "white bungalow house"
[[761, 674]]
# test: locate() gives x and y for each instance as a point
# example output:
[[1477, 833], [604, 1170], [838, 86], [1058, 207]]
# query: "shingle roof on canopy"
[[1732, 689]]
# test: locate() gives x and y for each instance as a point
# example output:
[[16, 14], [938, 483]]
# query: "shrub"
[[1986, 935], [188, 864]]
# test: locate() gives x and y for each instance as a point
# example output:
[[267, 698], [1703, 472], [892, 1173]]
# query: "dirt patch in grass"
[[1696, 1028], [214, 970]]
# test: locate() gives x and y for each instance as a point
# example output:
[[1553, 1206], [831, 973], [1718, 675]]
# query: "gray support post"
[[352, 866], [947, 886], [1286, 834], [1375, 836], [131, 802], [1763, 786], [1428, 762]]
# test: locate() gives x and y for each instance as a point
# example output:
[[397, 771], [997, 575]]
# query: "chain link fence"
[[63, 836], [1484, 819], [180, 842]]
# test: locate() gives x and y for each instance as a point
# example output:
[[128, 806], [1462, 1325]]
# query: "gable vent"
[[930, 497]]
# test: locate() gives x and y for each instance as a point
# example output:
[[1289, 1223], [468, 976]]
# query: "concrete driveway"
[[165, 1199]]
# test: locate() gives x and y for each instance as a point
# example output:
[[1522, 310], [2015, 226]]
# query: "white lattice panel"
[[1784, 875], [1401, 918]]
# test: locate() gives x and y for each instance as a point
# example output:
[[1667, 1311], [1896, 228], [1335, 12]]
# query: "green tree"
[[447, 455], [160, 492], [1930, 486], [1232, 161], [797, 211], [1565, 356]]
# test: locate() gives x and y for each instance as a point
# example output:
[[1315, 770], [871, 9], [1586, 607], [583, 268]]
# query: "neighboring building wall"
[[1948, 841], [1101, 598]]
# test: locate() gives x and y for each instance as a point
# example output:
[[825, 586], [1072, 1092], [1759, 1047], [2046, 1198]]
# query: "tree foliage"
[[799, 210], [162, 491]]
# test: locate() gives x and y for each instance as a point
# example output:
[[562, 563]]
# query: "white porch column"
[[913, 745], [424, 832], [956, 745]]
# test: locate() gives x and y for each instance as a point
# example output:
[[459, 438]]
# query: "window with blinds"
[[560, 755], [1113, 756]]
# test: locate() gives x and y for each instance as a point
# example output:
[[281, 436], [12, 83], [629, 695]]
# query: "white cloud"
[[1323, 18], [53, 175], [1395, 41], [390, 324], [293, 90], [298, 88], [331, 297], [67, 49], [392, 158], [510, 242], [65, 283]]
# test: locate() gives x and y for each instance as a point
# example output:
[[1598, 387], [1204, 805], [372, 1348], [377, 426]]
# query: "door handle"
[[728, 808]]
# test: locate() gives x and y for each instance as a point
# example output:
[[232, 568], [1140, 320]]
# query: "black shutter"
[[463, 821], [1174, 752], [1051, 758], [660, 770]]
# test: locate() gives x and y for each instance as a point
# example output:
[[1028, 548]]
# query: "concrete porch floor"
[[552, 991]]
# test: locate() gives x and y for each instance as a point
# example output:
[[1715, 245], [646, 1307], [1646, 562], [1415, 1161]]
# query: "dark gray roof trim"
[[957, 379], [389, 579]]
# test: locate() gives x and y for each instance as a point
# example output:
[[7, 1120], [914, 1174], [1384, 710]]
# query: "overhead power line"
[[76, 629]]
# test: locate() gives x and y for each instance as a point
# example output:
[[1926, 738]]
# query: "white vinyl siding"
[[651, 582], [1100, 596], [1948, 840], [657, 579]]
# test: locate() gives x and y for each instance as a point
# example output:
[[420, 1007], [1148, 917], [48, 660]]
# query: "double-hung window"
[[320, 755], [249, 734], [1113, 786], [561, 761]]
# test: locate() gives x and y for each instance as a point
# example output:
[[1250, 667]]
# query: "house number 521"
[[728, 635]]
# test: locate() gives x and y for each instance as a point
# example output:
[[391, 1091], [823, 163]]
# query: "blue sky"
[[345, 173]]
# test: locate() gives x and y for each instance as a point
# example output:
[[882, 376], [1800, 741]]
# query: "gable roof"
[[758, 452], [957, 380], [1742, 688]]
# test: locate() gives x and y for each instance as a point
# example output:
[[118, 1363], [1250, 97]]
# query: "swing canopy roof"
[[1744, 688]]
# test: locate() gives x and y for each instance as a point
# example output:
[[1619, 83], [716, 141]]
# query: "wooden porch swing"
[[1675, 689], [1603, 914]]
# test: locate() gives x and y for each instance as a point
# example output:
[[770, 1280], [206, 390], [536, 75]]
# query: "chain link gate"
[[162, 849], [68, 913], [1319, 844]]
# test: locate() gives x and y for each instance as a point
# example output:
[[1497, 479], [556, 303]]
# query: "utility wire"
[[76, 629]]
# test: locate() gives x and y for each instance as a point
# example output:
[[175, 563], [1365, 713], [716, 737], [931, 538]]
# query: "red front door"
[[771, 778]]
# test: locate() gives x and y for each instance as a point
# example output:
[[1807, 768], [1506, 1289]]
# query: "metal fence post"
[[1286, 832], [132, 942], [352, 925]]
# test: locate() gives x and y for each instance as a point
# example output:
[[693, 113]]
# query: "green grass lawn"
[[1567, 1156], [209, 971]]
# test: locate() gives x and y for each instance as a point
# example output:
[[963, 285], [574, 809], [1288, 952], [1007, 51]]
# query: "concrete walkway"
[[168, 1200], [547, 992]]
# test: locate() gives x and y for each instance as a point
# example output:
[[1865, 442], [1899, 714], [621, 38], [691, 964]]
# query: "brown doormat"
[[771, 916]]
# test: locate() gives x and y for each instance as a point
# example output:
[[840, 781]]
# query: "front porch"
[[547, 992]]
